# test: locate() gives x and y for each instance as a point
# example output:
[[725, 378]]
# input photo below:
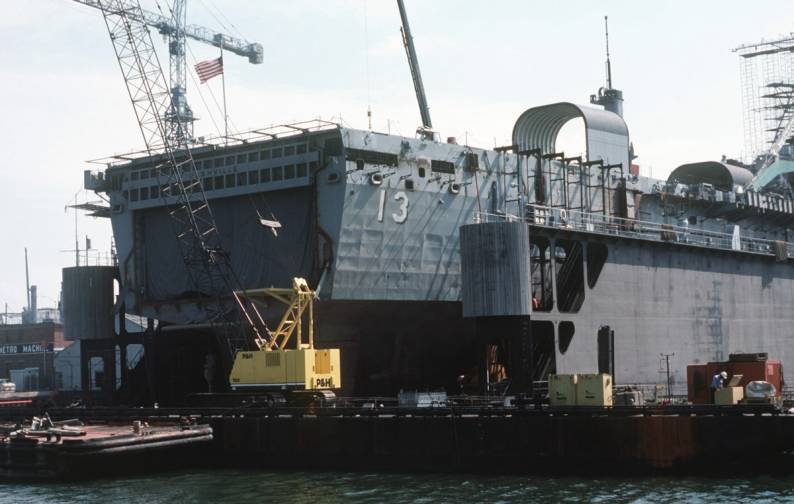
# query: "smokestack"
[[27, 280], [33, 310]]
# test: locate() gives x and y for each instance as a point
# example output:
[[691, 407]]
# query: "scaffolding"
[[767, 88]]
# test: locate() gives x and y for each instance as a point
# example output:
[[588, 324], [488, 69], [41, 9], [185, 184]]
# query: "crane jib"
[[208, 267]]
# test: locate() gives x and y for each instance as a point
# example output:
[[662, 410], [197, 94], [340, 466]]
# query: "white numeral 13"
[[400, 217]]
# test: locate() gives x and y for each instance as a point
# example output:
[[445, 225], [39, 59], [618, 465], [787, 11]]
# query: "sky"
[[63, 100]]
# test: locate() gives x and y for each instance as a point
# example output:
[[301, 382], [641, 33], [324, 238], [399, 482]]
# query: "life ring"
[[563, 215]]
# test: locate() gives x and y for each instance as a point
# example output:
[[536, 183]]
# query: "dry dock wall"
[[500, 443]]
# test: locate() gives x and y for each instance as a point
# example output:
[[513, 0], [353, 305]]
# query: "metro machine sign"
[[24, 348]]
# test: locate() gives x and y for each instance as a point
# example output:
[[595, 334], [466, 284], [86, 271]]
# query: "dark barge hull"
[[104, 451], [507, 443], [471, 439]]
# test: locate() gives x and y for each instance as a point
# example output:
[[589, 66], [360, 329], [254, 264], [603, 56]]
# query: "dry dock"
[[477, 439]]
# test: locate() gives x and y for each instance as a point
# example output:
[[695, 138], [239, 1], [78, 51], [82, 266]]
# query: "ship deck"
[[607, 225]]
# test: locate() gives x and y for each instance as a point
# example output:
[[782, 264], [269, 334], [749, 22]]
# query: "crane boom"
[[207, 265], [413, 63], [784, 44], [165, 26], [179, 117]]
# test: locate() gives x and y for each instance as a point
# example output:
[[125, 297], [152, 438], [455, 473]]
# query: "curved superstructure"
[[722, 176], [606, 133]]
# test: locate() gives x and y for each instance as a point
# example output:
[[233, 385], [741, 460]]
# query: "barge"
[[72, 449], [453, 437]]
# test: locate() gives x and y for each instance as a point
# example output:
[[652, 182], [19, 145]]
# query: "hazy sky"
[[63, 100]]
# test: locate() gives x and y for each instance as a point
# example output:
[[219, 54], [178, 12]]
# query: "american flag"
[[206, 70]]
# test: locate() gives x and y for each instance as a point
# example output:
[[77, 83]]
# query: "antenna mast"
[[608, 97], [609, 65]]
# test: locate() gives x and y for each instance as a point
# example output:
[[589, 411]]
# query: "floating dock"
[[520, 439]]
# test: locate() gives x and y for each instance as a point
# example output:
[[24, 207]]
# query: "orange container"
[[699, 376]]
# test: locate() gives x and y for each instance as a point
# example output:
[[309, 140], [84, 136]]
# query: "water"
[[236, 486]]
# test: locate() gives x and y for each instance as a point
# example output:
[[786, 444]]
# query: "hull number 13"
[[402, 209]]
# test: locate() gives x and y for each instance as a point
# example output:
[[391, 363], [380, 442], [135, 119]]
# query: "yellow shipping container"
[[562, 389], [594, 390]]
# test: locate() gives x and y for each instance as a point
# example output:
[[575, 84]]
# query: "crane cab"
[[298, 369], [274, 366]]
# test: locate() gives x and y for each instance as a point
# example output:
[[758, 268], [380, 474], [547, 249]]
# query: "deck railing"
[[598, 223]]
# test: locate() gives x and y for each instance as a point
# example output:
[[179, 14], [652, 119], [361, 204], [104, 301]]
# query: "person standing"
[[718, 382]]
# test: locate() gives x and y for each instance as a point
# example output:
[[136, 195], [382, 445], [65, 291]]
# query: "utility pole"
[[666, 358]]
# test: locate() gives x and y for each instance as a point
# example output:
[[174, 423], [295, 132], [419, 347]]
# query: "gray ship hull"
[[372, 221], [700, 305]]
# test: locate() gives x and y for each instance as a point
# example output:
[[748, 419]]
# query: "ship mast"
[[608, 97], [426, 130], [609, 64]]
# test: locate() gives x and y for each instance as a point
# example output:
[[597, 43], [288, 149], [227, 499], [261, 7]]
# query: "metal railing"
[[236, 139], [598, 223]]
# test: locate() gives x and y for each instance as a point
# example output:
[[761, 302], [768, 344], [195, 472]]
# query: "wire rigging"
[[212, 95], [228, 24]]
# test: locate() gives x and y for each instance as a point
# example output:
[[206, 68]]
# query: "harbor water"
[[242, 486]]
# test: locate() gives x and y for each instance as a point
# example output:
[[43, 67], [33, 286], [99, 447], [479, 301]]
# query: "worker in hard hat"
[[717, 382]]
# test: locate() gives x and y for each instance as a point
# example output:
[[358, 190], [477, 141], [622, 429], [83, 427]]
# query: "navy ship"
[[623, 267]]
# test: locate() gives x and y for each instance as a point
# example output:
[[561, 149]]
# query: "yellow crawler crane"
[[276, 367]]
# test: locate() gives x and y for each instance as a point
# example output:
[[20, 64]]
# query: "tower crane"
[[313, 371], [179, 117], [207, 264]]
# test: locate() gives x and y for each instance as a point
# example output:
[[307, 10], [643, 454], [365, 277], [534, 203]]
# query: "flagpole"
[[225, 115]]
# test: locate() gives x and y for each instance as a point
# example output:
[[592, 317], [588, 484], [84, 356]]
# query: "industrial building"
[[28, 353]]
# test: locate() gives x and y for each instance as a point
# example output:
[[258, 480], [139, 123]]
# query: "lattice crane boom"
[[165, 26], [196, 232], [179, 118]]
